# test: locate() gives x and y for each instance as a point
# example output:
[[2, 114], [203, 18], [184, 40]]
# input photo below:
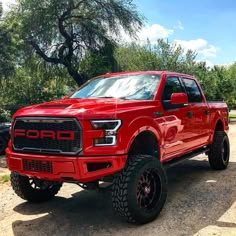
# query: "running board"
[[177, 160]]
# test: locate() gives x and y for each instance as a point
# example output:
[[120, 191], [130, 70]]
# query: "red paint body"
[[176, 133]]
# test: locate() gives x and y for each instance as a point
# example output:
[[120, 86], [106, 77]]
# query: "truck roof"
[[144, 72]]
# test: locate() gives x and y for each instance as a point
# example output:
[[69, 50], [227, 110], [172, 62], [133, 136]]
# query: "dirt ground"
[[200, 202]]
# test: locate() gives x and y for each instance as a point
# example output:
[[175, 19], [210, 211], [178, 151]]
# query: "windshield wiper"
[[105, 97], [123, 98]]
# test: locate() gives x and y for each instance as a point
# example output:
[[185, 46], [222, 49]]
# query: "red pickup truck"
[[124, 128]]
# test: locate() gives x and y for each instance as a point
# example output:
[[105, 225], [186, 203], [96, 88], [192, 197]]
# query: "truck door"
[[199, 124], [177, 127]]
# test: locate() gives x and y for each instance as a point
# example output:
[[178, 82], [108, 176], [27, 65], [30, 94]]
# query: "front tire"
[[139, 191], [219, 151], [32, 189]]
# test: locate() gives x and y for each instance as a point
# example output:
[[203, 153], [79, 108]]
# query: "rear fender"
[[218, 118]]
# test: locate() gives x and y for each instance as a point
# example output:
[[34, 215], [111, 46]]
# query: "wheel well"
[[219, 126], [145, 143]]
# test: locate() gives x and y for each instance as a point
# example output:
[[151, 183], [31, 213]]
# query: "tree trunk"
[[79, 78]]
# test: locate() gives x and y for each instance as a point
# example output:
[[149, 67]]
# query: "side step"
[[177, 160]]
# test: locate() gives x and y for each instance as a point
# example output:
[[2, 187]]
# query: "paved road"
[[200, 202]]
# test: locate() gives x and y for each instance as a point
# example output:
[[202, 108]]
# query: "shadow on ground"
[[198, 197]]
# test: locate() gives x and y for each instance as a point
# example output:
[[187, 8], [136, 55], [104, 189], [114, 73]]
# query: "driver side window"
[[172, 85]]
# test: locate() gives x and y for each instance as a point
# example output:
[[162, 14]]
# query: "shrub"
[[5, 115]]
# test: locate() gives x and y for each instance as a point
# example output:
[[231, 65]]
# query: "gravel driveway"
[[200, 202]]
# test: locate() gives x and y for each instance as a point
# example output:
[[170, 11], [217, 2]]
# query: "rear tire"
[[219, 151], [32, 189], [139, 191]]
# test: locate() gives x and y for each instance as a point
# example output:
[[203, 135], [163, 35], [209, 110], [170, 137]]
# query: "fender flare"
[[141, 125]]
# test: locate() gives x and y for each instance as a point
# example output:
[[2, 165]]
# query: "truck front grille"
[[37, 166], [47, 135]]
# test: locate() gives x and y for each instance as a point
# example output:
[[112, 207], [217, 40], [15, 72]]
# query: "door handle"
[[189, 114], [206, 112]]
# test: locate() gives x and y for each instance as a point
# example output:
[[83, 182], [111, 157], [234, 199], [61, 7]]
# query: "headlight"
[[106, 124], [110, 128]]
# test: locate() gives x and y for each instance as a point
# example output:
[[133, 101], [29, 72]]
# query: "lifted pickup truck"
[[121, 127]]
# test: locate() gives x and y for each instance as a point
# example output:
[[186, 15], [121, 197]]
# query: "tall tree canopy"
[[61, 32], [7, 52], [1, 10]]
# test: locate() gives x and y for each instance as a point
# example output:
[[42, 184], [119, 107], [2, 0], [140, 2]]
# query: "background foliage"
[[31, 38]]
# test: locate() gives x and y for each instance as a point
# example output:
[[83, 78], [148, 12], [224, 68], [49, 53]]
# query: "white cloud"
[[154, 32], [209, 64], [151, 32], [179, 26], [201, 46], [226, 65], [7, 5]]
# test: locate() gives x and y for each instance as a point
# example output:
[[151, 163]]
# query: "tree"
[[100, 62], [35, 82], [1, 10], [62, 32], [7, 52], [160, 56]]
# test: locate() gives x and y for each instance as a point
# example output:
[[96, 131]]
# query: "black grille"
[[40, 135], [37, 166]]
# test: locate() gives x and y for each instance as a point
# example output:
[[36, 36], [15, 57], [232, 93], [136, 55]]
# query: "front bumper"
[[65, 168]]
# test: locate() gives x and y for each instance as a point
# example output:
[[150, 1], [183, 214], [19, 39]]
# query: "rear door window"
[[193, 91]]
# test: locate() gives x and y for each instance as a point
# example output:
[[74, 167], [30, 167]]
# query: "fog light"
[[106, 141]]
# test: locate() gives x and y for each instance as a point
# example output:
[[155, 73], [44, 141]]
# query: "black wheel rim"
[[40, 184], [35, 183], [148, 189], [224, 151]]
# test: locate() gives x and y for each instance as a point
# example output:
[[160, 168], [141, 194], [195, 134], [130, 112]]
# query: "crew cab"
[[121, 127]]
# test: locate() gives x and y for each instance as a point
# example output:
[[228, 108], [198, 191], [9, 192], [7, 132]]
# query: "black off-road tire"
[[219, 151], [34, 190], [130, 189]]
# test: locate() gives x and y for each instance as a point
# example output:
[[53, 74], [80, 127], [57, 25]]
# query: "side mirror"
[[179, 99]]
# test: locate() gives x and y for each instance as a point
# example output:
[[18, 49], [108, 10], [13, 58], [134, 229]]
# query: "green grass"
[[4, 178], [232, 116]]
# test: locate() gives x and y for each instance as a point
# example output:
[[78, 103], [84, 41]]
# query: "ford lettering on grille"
[[36, 134], [47, 135]]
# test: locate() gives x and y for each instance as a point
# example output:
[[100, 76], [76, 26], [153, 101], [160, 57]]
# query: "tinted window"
[[172, 86], [194, 94]]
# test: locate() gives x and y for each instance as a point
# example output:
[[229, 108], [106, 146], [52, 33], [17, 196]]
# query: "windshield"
[[136, 87]]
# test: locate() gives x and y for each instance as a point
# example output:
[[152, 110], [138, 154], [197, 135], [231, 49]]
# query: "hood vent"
[[58, 106]]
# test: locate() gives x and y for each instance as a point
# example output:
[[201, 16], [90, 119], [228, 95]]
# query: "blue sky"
[[206, 26]]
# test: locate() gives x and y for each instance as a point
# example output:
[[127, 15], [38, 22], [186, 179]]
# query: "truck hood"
[[85, 108]]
